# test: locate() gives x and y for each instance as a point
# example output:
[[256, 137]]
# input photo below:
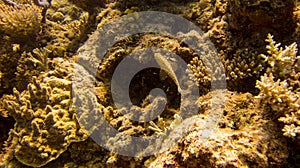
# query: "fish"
[[166, 68]]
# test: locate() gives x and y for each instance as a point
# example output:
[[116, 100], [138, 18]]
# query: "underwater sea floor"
[[221, 90]]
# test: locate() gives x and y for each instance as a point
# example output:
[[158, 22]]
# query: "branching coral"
[[276, 94], [292, 126], [283, 101], [282, 95], [31, 64], [237, 50], [46, 123], [22, 22], [200, 73], [282, 62], [244, 64]]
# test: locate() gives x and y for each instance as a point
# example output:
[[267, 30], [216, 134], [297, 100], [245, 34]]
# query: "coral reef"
[[88, 5], [243, 139], [8, 63], [47, 124], [31, 64], [200, 73], [23, 47], [237, 49]]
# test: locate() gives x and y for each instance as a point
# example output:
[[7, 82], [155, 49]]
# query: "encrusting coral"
[[242, 139]]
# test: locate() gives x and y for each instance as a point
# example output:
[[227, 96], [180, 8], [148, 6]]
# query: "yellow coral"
[[46, 123], [20, 22], [282, 95], [281, 61], [200, 73], [277, 94], [292, 127], [45, 126]]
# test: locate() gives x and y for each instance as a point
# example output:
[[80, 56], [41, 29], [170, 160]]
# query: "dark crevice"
[[6, 123]]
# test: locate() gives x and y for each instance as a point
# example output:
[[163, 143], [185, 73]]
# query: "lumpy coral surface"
[[52, 104]]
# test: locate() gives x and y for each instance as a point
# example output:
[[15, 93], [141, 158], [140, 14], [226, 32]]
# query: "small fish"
[[42, 3], [166, 67]]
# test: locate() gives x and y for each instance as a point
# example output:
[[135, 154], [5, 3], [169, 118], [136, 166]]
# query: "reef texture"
[[21, 22], [44, 126], [243, 139], [45, 122]]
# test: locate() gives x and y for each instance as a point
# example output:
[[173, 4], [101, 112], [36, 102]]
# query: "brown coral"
[[248, 14]]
